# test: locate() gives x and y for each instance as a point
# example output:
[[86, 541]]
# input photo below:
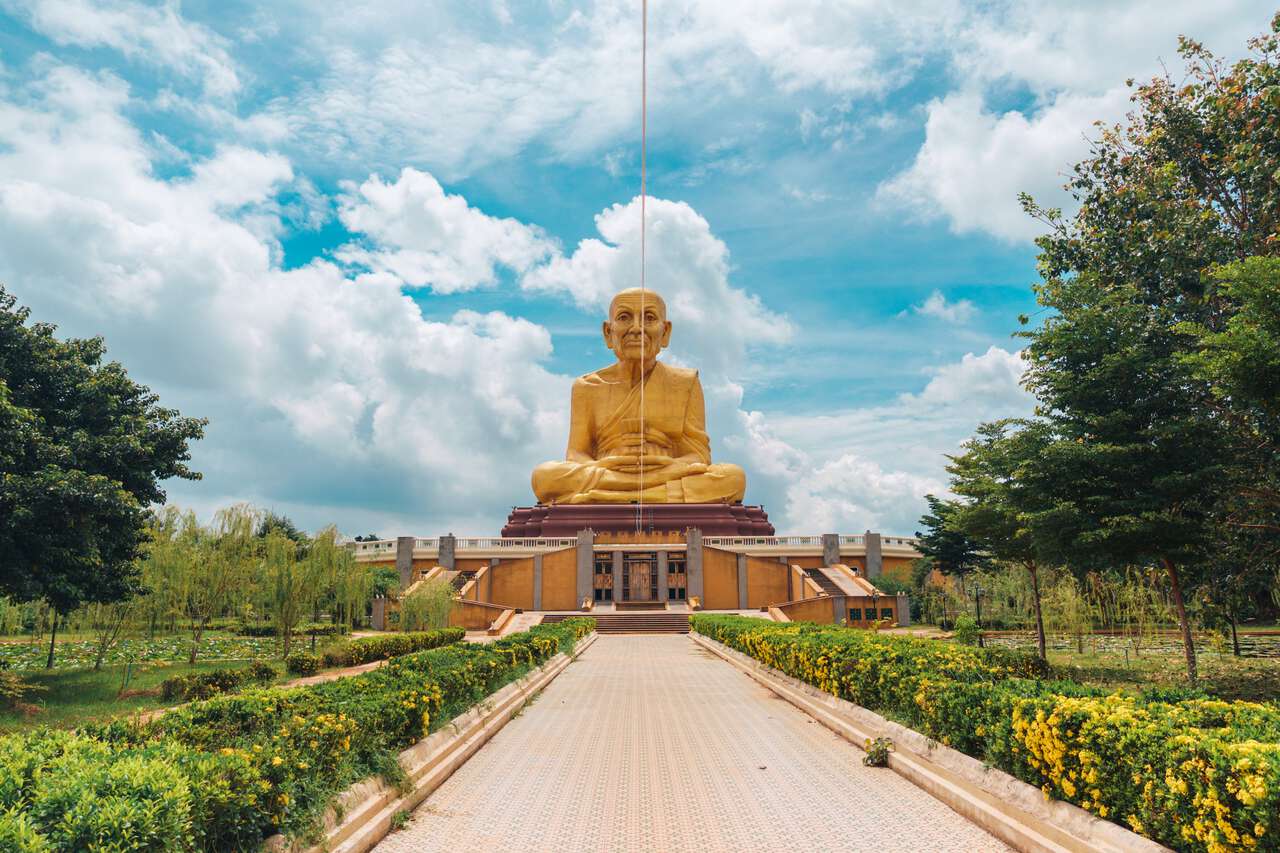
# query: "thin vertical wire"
[[644, 133]]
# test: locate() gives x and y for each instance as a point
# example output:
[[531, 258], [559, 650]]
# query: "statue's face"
[[635, 331]]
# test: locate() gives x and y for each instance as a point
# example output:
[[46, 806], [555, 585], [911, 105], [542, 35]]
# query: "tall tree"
[[1239, 358], [83, 449], [1006, 499], [949, 549], [1146, 463], [1185, 185]]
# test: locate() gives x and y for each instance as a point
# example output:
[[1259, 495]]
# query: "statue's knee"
[[543, 477]]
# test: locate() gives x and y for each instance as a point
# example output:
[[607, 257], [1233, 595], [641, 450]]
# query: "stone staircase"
[[638, 622], [819, 577]]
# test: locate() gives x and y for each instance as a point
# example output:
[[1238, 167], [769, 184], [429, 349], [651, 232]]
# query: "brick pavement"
[[648, 743]]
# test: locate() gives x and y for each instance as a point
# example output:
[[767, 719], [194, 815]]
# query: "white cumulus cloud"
[[715, 323], [154, 34], [420, 235], [936, 305]]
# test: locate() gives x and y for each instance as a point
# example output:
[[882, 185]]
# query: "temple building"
[[639, 526], [827, 578]]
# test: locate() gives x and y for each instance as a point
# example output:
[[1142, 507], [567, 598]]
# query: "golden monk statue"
[[611, 457]]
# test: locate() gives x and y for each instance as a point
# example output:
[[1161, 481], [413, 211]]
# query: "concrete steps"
[[829, 586], [639, 622]]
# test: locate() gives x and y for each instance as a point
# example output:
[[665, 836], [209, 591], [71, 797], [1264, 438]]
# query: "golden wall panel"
[[766, 582], [560, 580], [719, 579], [819, 610], [898, 568], [511, 583]]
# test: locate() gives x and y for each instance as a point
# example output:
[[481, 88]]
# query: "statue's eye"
[[623, 316]]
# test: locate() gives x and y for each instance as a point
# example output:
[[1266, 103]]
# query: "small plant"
[[400, 820], [877, 752], [260, 671], [967, 631], [302, 663], [13, 690]]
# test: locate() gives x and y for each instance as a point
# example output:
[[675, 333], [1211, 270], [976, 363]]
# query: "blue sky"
[[372, 242]]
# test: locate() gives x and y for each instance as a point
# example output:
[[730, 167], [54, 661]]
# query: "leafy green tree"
[[950, 550], [1186, 185], [83, 449], [383, 580], [1135, 466], [1006, 499], [1239, 358]]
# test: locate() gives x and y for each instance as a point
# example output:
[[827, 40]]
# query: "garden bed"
[[1191, 773], [227, 772]]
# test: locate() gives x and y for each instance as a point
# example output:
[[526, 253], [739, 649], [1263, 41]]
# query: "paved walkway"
[[649, 743]]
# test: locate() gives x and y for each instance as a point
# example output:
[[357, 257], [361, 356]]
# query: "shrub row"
[[366, 649], [203, 685], [1189, 772], [227, 772], [306, 629]]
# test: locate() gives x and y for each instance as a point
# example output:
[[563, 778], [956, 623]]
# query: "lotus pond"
[[24, 657]]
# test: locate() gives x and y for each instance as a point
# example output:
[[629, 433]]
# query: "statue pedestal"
[[568, 519]]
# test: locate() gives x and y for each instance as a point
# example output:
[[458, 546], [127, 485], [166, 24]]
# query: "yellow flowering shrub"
[[223, 774], [1196, 774]]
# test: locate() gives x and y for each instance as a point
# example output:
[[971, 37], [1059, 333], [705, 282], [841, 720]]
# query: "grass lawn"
[[1221, 675], [72, 697]]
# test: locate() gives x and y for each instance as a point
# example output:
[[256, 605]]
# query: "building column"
[[875, 562], [693, 563], [830, 549], [840, 608], [904, 609], [662, 576], [742, 581], [404, 560], [448, 547], [586, 567], [537, 581], [617, 577]]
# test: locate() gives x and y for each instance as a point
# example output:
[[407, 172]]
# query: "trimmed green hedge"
[[204, 685], [225, 773], [1189, 772], [367, 649]]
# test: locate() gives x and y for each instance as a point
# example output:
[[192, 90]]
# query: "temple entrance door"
[[602, 584], [639, 577]]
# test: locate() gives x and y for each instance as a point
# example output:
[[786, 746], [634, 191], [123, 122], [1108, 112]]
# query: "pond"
[[21, 657]]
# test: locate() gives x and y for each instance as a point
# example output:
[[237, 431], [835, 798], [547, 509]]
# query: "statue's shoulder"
[[685, 377], [597, 378]]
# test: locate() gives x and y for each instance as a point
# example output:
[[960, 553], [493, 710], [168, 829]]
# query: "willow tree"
[[223, 562]]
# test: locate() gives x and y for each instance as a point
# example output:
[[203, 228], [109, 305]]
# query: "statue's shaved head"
[[635, 294]]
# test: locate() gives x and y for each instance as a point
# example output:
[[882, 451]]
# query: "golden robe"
[[603, 463]]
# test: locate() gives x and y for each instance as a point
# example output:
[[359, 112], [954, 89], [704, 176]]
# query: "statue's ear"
[[666, 333], [604, 330]]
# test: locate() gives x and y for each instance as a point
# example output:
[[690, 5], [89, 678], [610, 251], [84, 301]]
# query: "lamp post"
[[977, 598], [875, 608]]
